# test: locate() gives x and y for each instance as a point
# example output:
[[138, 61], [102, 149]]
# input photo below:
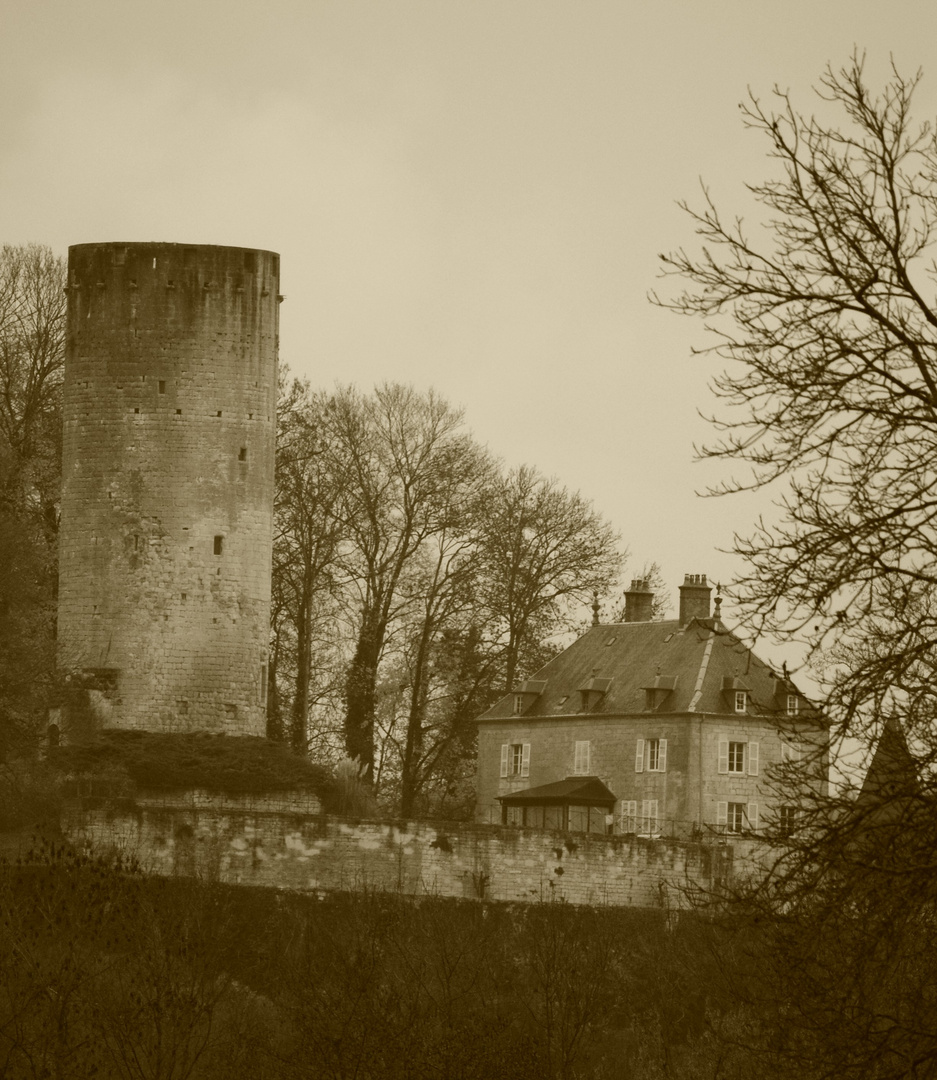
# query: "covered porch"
[[576, 804]]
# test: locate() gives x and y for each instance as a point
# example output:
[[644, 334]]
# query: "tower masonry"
[[167, 502]]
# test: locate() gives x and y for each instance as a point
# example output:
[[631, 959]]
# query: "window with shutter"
[[662, 757], [753, 759], [629, 816], [723, 755], [525, 760], [753, 816], [722, 809], [581, 758], [649, 816], [789, 753], [505, 753], [736, 757], [639, 756]]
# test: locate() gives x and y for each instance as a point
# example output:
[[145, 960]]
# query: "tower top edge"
[[158, 245]]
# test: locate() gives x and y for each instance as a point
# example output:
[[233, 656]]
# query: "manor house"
[[654, 728]]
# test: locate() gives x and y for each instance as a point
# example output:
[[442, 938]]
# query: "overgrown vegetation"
[[104, 973], [163, 761]]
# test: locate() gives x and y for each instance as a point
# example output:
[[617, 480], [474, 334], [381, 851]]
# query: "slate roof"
[[574, 790], [700, 665]]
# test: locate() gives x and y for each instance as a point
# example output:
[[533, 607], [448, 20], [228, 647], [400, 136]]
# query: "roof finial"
[[595, 609], [717, 602]]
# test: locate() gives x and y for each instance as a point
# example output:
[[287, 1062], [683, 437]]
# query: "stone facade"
[[167, 501]]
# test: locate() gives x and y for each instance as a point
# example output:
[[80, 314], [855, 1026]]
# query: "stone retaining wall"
[[314, 853]]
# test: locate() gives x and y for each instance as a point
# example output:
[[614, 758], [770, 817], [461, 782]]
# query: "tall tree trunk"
[[300, 711], [361, 699], [411, 780]]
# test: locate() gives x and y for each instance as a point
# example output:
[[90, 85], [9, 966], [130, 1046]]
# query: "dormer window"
[[793, 705], [736, 694], [526, 694], [657, 691], [592, 693]]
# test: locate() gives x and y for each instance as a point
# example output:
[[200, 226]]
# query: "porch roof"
[[573, 791]]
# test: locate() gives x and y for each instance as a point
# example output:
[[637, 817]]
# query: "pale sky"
[[467, 194]]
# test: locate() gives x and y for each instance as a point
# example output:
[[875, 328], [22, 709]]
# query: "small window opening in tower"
[[219, 544], [183, 596], [162, 386], [250, 261], [242, 454], [250, 416], [154, 263], [136, 542], [218, 413], [136, 410], [275, 264], [178, 412]]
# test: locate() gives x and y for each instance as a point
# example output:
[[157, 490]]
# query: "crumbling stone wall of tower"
[[167, 502]]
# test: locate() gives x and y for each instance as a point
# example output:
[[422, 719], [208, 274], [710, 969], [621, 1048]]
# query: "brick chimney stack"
[[639, 602], [694, 598]]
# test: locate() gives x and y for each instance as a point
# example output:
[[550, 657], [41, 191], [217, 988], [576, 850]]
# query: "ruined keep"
[[167, 501]]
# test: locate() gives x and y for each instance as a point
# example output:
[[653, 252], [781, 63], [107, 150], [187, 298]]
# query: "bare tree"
[[828, 324], [398, 455], [831, 339], [306, 553], [543, 547], [32, 308]]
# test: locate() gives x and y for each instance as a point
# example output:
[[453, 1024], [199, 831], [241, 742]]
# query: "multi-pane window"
[[792, 704], [735, 817], [518, 704], [581, 758], [738, 757], [786, 820], [629, 816], [650, 755], [741, 701], [515, 759]]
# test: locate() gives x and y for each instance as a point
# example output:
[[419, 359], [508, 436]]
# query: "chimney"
[[694, 598], [639, 602]]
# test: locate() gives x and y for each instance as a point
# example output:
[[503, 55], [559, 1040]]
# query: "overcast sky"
[[465, 193]]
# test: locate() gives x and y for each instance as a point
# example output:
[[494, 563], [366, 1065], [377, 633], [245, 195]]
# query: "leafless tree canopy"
[[825, 316]]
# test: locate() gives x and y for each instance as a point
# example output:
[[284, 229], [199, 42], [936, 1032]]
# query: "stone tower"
[[167, 500]]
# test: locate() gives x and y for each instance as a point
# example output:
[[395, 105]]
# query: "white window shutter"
[[722, 813], [639, 756], [629, 811], [505, 752], [753, 816], [753, 759], [789, 753], [662, 756], [723, 761], [525, 760]]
